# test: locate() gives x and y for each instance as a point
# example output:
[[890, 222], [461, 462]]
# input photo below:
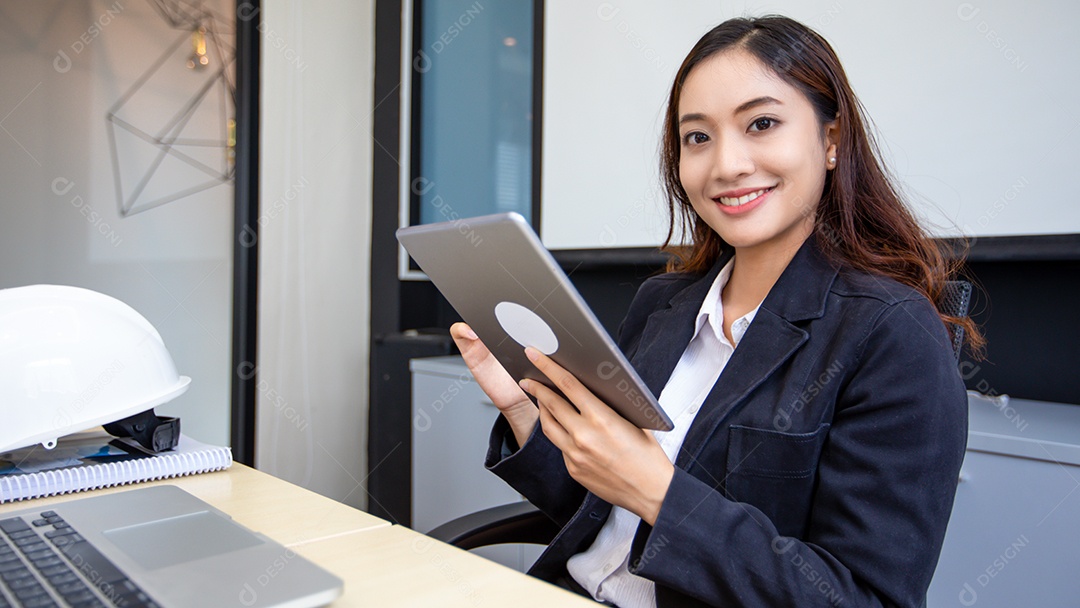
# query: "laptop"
[[506, 285], [152, 546]]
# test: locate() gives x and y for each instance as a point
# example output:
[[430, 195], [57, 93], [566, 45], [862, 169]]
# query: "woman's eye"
[[695, 137], [762, 124]]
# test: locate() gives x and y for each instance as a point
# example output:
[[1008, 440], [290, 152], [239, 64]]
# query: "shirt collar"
[[711, 312]]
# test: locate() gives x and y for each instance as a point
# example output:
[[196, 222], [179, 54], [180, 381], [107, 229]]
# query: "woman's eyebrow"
[[685, 118], [748, 105], [757, 101]]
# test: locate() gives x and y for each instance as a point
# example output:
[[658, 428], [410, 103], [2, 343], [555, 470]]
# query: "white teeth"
[[742, 200]]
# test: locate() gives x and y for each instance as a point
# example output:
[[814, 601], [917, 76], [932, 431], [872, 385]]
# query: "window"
[[468, 120]]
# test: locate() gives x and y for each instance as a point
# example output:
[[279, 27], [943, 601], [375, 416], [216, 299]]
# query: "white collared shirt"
[[603, 569]]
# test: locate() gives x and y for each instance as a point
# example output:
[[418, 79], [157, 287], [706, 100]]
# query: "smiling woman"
[[738, 154], [819, 421], [799, 117]]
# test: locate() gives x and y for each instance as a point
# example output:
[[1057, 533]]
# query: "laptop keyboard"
[[48, 563]]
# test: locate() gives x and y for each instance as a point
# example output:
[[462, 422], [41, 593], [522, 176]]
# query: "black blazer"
[[822, 466]]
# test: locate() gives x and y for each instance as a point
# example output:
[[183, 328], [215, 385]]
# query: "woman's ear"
[[832, 137]]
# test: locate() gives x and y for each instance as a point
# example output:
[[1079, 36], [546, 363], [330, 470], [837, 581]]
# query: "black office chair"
[[955, 301], [521, 522]]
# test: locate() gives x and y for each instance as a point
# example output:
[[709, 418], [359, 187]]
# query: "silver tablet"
[[502, 281]]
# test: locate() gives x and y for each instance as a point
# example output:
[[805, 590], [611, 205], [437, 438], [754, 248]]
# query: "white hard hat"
[[72, 359]]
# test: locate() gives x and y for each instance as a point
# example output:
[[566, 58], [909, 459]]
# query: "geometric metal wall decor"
[[171, 134]]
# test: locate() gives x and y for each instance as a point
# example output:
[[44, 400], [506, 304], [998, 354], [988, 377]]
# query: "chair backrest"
[[955, 300]]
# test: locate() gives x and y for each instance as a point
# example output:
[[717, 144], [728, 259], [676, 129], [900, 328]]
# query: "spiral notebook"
[[94, 459]]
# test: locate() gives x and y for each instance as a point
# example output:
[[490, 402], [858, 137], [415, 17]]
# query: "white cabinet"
[[451, 421], [1014, 535]]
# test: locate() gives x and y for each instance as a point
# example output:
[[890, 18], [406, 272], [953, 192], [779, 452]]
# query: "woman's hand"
[[496, 382], [614, 459]]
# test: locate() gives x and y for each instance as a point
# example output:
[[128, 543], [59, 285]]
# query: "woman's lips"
[[743, 203]]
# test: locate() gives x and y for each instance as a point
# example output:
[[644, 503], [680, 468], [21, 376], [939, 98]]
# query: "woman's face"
[[753, 153]]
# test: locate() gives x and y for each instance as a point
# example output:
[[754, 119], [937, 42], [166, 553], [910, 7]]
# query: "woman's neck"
[[753, 274]]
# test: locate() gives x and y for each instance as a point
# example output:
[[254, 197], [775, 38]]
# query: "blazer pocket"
[[775, 472]]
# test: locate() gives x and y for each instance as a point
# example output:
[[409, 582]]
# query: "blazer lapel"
[[768, 342], [772, 338], [668, 331]]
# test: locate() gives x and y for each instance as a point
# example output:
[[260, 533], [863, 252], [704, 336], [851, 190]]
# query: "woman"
[[820, 421]]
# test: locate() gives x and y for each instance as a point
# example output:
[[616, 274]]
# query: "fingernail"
[[470, 334], [532, 353], [524, 384]]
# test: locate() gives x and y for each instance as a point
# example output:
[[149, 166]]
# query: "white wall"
[[314, 242], [975, 103], [59, 213]]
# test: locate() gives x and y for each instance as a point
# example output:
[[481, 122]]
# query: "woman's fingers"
[[558, 408], [564, 380], [488, 372], [554, 429], [468, 343], [577, 393], [463, 331], [611, 457]]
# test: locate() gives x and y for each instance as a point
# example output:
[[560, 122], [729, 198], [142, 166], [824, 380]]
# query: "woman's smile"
[[742, 201]]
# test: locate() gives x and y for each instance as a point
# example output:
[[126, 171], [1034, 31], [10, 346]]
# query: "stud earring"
[[832, 160]]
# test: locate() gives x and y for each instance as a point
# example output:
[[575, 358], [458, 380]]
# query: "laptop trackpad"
[[168, 542]]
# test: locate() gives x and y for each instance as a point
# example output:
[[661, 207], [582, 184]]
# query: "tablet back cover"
[[502, 281]]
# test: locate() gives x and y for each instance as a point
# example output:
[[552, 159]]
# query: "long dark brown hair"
[[861, 221]]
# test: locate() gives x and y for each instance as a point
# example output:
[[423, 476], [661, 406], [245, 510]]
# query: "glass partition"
[[472, 109]]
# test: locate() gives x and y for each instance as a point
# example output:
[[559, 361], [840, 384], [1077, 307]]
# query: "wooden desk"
[[381, 564], [396, 566], [283, 511]]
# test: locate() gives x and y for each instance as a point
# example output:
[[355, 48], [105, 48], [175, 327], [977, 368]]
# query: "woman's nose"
[[732, 160]]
